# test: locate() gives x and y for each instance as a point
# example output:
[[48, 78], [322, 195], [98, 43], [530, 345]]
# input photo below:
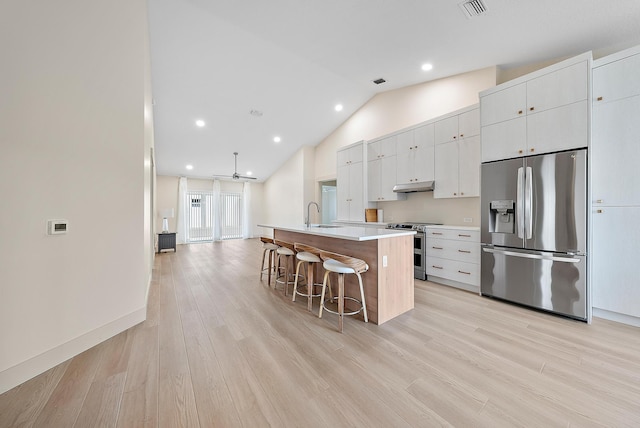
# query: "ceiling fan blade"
[[235, 175]]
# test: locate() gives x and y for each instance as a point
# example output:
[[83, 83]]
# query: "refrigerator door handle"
[[520, 203], [528, 202], [532, 256]]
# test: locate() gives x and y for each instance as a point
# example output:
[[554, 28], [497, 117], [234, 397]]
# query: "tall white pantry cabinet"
[[351, 182], [615, 181]]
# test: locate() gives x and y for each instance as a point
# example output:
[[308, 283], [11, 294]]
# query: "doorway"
[[329, 201]]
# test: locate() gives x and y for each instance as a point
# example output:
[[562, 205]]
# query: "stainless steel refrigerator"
[[534, 232]]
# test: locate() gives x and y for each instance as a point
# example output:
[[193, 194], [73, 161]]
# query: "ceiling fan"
[[235, 175]]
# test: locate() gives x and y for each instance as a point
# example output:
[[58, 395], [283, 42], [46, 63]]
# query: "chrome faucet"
[[308, 222]]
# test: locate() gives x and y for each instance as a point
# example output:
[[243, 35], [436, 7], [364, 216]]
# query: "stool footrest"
[[299, 293], [353, 299]]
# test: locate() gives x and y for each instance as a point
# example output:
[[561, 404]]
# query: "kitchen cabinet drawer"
[[467, 273], [455, 250], [455, 234]]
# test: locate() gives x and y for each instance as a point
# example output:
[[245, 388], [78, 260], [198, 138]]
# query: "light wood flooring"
[[221, 348]]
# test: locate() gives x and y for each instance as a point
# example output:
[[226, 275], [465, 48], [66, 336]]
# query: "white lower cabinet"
[[453, 256], [616, 287]]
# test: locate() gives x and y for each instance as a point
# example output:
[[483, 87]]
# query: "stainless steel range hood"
[[422, 186]]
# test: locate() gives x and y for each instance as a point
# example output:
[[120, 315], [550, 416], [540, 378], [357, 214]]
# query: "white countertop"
[[353, 233]]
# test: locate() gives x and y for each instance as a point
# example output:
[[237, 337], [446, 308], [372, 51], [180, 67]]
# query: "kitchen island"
[[388, 284]]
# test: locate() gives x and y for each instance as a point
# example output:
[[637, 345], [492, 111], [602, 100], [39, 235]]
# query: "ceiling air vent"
[[473, 8], [379, 81]]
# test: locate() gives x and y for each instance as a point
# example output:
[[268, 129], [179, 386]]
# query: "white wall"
[[284, 192], [393, 110], [74, 142]]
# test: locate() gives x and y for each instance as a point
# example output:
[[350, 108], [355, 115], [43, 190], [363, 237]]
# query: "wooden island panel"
[[388, 290]]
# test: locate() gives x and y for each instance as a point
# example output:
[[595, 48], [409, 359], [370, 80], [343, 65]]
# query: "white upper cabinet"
[[457, 161], [615, 152], [469, 123], [543, 112], [615, 140], [415, 155], [384, 147], [446, 170], [349, 155], [351, 189], [504, 104], [616, 80], [558, 88], [469, 166], [381, 170], [558, 129], [446, 130]]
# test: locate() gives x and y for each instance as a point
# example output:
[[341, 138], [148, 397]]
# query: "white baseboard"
[[617, 317], [14, 376]]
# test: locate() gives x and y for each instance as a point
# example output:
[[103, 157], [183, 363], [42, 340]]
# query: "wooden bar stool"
[[342, 265], [310, 256], [268, 248], [286, 250]]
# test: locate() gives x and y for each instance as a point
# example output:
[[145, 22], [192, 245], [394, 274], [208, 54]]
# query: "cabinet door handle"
[[464, 236], [461, 193], [454, 137], [437, 248], [531, 108], [461, 135], [415, 147], [519, 111], [464, 251], [466, 273], [599, 201], [599, 211], [436, 267], [520, 151], [532, 150], [455, 194], [599, 98]]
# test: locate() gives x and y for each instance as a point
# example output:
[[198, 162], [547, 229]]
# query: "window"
[[200, 216], [230, 215]]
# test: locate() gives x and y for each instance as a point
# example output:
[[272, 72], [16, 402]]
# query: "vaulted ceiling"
[[253, 69]]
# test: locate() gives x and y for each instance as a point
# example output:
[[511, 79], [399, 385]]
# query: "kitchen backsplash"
[[422, 207]]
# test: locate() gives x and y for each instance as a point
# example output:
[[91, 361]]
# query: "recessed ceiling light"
[[256, 113], [276, 139], [189, 167], [200, 123], [427, 67], [249, 173], [338, 107]]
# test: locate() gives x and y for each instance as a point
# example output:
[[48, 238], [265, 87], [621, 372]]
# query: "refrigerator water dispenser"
[[502, 218]]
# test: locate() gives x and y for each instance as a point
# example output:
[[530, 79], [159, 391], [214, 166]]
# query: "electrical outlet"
[[468, 220], [384, 261]]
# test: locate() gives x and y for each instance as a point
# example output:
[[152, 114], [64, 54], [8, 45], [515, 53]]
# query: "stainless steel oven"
[[419, 246]]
